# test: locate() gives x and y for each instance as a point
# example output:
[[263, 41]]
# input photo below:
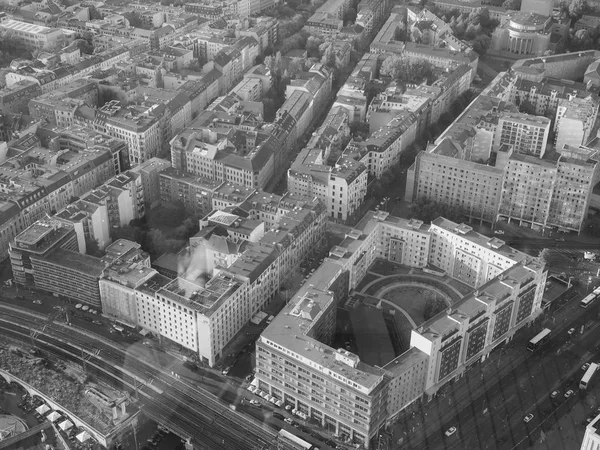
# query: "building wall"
[[472, 187], [118, 302]]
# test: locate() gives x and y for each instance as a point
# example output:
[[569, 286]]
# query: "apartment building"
[[46, 254], [336, 388], [442, 175], [575, 120], [60, 176], [479, 322], [541, 97], [225, 153], [527, 134], [14, 99], [245, 258], [545, 194], [382, 149], [195, 192], [90, 221], [122, 196], [135, 125], [342, 187], [120, 279], [591, 439], [34, 37], [149, 173]]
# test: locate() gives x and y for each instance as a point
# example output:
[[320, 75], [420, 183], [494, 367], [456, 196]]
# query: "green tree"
[[577, 8], [481, 44], [84, 46], [313, 44], [135, 20]]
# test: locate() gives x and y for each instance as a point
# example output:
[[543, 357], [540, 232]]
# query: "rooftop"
[[204, 299]]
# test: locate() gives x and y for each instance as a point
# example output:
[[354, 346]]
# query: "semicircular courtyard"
[[405, 298]]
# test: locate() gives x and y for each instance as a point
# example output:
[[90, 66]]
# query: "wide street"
[[488, 405]]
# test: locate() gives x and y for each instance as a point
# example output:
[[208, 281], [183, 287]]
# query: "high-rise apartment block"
[[525, 133], [354, 399]]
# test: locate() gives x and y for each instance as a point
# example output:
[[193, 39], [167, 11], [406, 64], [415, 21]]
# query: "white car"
[[569, 393], [450, 431], [528, 418], [255, 402]]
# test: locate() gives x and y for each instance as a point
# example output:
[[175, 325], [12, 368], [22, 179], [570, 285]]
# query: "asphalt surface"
[[489, 404]]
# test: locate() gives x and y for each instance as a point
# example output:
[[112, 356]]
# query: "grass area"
[[460, 287], [368, 278], [411, 299]]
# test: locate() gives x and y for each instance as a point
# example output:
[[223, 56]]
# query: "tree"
[[91, 248], [481, 44], [135, 20], [512, 5], [350, 16], [577, 8], [94, 13], [159, 81], [312, 46], [84, 46]]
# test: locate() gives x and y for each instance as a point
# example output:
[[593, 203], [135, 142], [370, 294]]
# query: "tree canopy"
[[407, 70]]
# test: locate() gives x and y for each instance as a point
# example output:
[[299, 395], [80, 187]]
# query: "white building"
[[591, 439], [35, 37]]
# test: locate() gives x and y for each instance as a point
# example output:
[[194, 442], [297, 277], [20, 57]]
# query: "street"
[[489, 404]]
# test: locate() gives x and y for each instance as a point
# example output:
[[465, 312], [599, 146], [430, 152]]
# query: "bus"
[[589, 373], [538, 340], [596, 292], [588, 300], [289, 441]]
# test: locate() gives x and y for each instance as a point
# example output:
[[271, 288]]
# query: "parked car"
[[289, 421], [278, 416], [528, 418], [37, 302], [450, 431], [571, 331], [554, 394], [254, 402]]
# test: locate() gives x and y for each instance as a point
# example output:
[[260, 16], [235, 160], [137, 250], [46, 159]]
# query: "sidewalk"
[[424, 418]]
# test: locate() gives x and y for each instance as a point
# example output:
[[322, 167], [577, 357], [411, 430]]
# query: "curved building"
[[524, 33]]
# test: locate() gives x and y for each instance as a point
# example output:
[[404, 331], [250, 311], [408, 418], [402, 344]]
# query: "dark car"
[[278, 416]]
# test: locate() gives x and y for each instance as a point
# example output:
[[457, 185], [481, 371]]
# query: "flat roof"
[[204, 299], [490, 243], [292, 329]]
